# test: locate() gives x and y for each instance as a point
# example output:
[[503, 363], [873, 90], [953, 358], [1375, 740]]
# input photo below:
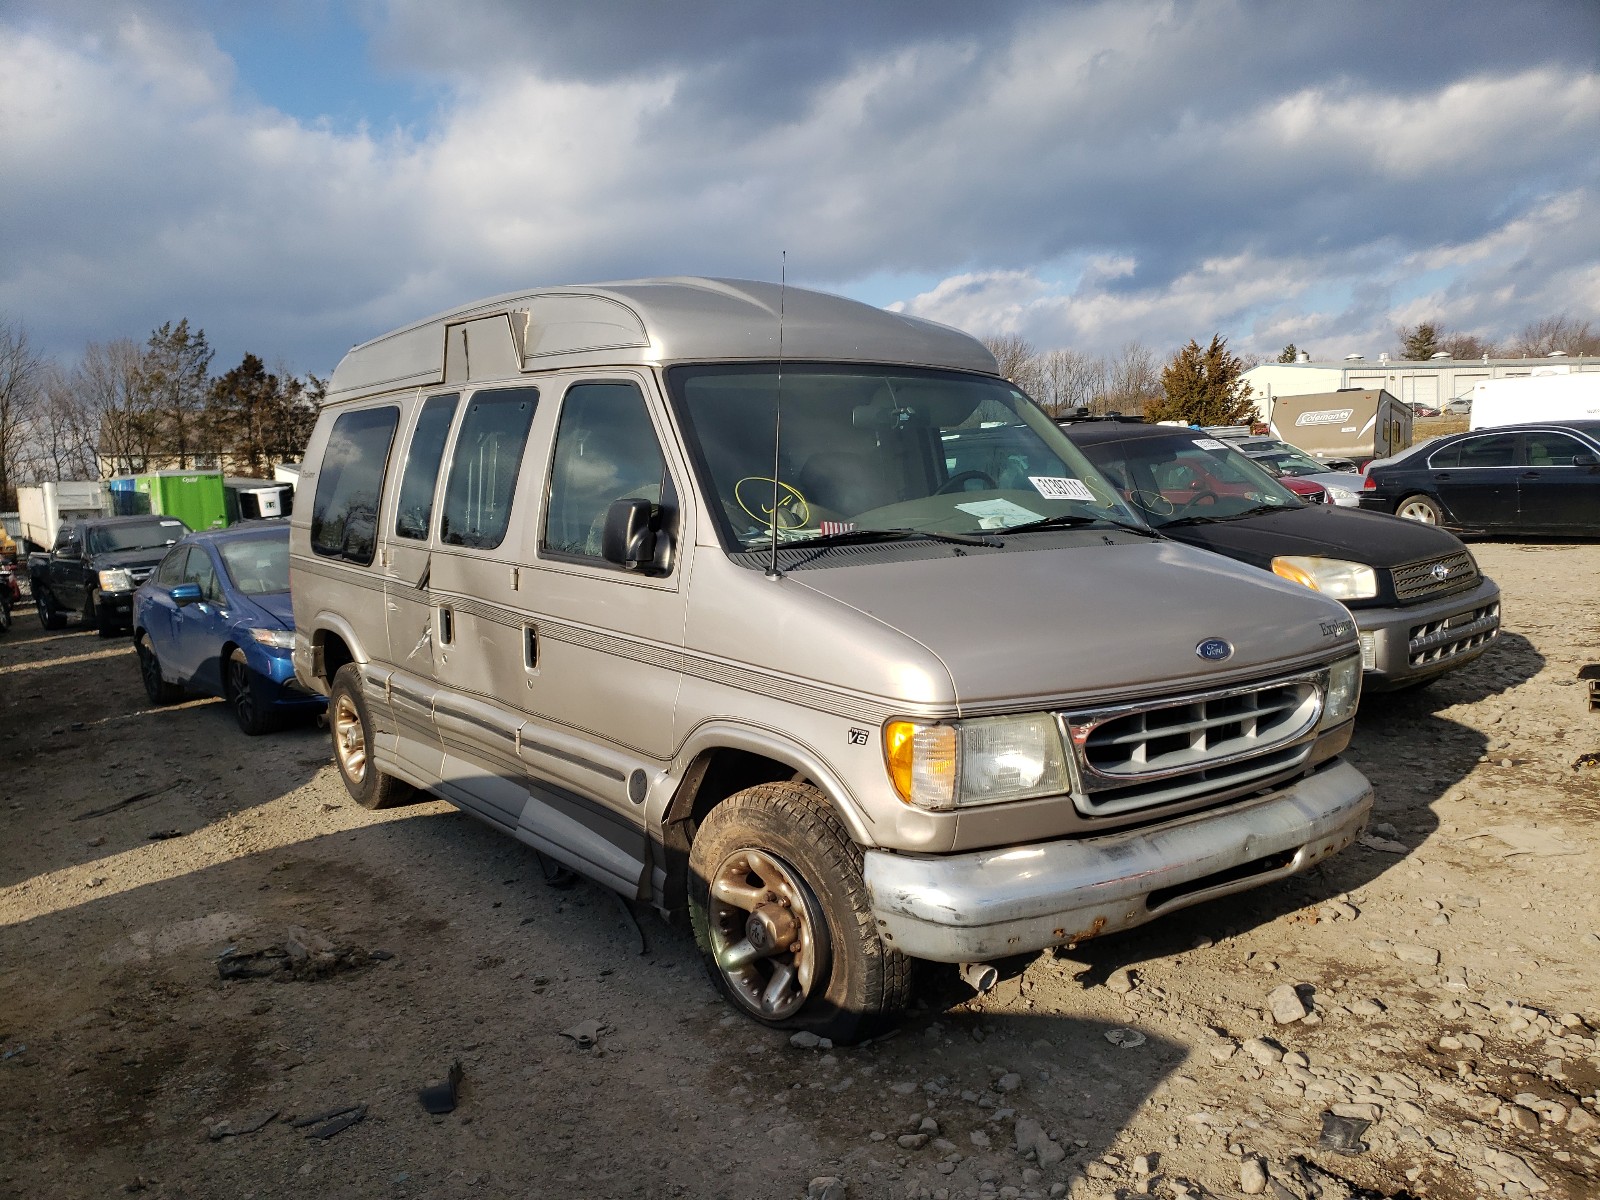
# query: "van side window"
[[344, 516], [606, 450], [414, 513], [483, 470]]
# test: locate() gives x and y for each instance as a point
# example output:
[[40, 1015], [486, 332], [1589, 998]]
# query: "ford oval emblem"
[[1214, 649]]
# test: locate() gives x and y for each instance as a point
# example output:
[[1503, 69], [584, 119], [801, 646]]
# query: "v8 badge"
[[858, 737]]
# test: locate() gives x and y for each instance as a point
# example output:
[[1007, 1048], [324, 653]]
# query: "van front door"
[[604, 645]]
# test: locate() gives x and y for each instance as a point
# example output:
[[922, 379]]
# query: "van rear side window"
[[344, 517], [483, 470]]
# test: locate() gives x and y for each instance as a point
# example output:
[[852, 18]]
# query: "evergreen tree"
[[1289, 354], [176, 377], [1419, 343], [1203, 387]]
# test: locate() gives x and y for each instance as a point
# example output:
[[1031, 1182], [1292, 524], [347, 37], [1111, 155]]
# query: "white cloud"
[[1082, 175]]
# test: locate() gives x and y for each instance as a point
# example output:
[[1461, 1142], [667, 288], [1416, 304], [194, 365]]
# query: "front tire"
[[1424, 510], [240, 691], [353, 742], [50, 614], [782, 918]]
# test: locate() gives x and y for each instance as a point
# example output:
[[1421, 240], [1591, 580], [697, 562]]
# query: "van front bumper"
[[1019, 899], [1401, 646]]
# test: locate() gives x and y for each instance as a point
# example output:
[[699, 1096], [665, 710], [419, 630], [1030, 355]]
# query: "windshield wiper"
[[848, 536], [1064, 520], [1252, 511]]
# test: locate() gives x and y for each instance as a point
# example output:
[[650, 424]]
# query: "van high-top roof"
[[646, 322]]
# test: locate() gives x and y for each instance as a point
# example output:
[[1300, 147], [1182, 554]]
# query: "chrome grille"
[[1175, 748], [1434, 576], [1449, 636], [140, 574]]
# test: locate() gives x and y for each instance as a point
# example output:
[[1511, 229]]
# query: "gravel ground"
[[1441, 981]]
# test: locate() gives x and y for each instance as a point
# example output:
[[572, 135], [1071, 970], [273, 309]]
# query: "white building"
[[1434, 382]]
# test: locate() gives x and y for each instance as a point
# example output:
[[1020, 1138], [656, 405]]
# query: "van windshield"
[[868, 449]]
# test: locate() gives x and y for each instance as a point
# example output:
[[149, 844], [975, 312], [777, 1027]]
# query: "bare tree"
[[20, 370], [1133, 379], [1069, 380], [115, 402], [1467, 345], [1548, 335], [63, 435], [1019, 361]]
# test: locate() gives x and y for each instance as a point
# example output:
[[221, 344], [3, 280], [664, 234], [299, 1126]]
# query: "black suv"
[[1419, 602]]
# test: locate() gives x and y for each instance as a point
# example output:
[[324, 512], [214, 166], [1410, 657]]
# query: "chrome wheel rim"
[[349, 738], [1417, 511], [766, 933]]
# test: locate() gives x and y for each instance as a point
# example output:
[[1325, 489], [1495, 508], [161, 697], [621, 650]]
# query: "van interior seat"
[[845, 482]]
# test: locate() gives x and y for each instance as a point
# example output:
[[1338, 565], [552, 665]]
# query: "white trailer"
[[1574, 397], [44, 506]]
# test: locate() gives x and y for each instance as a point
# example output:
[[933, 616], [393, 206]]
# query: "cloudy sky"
[[301, 175]]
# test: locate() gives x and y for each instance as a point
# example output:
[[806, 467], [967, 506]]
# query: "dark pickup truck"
[[95, 566]]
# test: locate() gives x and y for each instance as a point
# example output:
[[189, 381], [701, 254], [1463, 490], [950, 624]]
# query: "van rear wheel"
[[782, 918], [353, 742]]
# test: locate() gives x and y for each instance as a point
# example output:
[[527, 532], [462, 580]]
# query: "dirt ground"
[[1451, 964]]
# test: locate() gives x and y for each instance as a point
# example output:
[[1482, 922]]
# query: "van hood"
[[1101, 620], [1377, 539]]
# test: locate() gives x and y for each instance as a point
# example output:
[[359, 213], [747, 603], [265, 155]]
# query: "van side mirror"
[[1584, 459], [186, 593], [627, 538]]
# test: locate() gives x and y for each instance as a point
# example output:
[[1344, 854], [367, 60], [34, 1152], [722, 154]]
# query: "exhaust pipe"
[[980, 977]]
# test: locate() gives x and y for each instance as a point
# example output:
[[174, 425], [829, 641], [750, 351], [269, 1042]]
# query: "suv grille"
[[1141, 755], [1433, 576]]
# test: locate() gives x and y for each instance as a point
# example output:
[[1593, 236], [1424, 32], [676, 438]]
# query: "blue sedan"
[[215, 618]]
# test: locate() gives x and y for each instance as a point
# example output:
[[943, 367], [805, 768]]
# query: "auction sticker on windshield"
[[1059, 487], [1208, 444], [997, 514]]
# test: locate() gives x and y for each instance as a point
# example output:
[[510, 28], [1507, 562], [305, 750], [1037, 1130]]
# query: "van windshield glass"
[[135, 535], [1188, 478], [878, 449]]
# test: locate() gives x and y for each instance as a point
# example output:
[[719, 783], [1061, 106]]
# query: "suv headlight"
[[1343, 692], [117, 579], [988, 760], [281, 639], [1331, 576]]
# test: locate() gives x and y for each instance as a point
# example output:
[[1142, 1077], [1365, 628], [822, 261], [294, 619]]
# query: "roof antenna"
[[777, 417]]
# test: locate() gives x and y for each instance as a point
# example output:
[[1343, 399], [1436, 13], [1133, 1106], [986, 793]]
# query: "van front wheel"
[[782, 918], [353, 743]]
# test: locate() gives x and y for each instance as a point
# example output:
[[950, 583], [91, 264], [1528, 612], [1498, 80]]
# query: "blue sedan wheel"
[[157, 688], [239, 689]]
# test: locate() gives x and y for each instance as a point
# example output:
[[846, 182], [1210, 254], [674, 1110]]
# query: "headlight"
[[984, 761], [1331, 576], [281, 639], [117, 579], [1344, 690], [1341, 496]]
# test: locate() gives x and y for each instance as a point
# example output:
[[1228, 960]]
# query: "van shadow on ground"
[[135, 1045]]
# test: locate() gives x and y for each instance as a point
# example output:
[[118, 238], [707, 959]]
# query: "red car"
[[1311, 493]]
